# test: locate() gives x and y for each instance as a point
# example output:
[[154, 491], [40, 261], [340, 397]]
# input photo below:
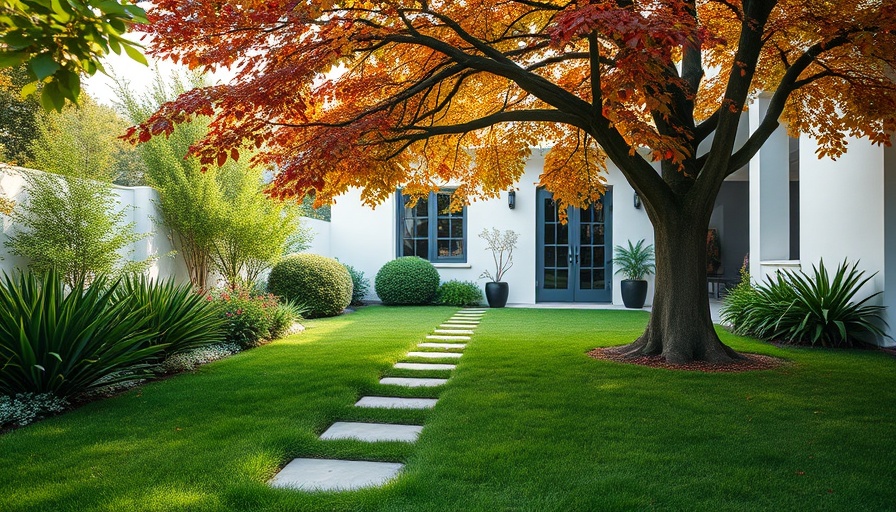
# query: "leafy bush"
[[459, 293], [360, 285], [24, 408], [181, 318], [53, 342], [407, 280], [796, 308], [739, 301], [247, 318], [321, 284]]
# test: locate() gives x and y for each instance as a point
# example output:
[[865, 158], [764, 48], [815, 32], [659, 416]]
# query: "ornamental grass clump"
[[181, 318], [794, 307], [64, 343]]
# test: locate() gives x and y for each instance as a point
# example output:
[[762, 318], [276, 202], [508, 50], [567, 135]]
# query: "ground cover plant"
[[527, 422]]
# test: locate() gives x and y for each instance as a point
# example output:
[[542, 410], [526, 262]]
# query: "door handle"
[[570, 255], [577, 255]]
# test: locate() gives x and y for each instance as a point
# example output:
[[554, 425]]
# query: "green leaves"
[[794, 307], [61, 40], [634, 262], [67, 343]]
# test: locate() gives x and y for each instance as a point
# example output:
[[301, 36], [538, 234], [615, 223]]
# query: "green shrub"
[[459, 293], [247, 318], [796, 308], [181, 318], [321, 284], [407, 280], [738, 302], [360, 285], [65, 344]]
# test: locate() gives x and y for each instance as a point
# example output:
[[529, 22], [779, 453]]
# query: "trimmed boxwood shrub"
[[459, 293], [408, 280], [321, 284]]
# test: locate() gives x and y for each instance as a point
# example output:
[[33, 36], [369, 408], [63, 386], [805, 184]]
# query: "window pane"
[[444, 228], [586, 257], [599, 257], [443, 202], [550, 210], [549, 234], [550, 256], [457, 228], [563, 234], [422, 228], [549, 281], [599, 279], [585, 279], [408, 248], [422, 248], [585, 234]]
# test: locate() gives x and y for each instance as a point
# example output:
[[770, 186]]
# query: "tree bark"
[[680, 327]]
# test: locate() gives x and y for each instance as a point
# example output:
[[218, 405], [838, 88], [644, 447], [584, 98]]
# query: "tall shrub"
[[220, 217], [74, 225]]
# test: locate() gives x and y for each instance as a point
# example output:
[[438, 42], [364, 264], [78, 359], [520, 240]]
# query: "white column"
[[769, 195]]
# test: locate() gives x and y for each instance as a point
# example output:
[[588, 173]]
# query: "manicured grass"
[[527, 422]]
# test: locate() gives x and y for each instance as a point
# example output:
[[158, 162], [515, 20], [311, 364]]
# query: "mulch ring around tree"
[[750, 362]]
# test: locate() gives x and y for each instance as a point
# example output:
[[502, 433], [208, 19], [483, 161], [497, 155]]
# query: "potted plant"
[[501, 245], [634, 263]]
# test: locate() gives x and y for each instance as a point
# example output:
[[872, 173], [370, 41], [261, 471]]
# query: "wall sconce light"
[[637, 202], [511, 199]]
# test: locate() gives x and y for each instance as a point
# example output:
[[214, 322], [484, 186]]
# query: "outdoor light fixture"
[[511, 199], [637, 202]]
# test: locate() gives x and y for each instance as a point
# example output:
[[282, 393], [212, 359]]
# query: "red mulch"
[[750, 362]]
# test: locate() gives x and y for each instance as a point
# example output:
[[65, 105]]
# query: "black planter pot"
[[496, 294], [634, 293]]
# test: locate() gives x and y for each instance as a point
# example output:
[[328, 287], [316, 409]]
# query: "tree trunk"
[[680, 327]]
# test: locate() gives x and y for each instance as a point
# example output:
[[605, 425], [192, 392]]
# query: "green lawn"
[[527, 422]]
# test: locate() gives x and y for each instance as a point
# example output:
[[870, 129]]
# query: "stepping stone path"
[[345, 475]]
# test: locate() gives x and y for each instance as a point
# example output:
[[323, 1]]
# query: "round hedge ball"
[[408, 280], [321, 284]]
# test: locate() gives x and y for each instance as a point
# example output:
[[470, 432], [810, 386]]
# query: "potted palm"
[[634, 263], [502, 246]]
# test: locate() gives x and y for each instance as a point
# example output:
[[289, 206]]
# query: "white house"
[[787, 209]]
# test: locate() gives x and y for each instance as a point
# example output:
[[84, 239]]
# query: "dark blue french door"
[[574, 259]]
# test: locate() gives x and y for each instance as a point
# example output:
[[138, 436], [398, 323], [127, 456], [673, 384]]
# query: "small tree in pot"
[[502, 246], [634, 263]]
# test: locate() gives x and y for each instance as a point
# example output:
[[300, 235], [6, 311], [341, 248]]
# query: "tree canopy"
[[419, 93]]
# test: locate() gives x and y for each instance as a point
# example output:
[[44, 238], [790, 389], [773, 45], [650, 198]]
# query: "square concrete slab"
[[453, 331], [410, 382], [334, 475], [462, 323], [393, 402], [372, 432], [472, 310], [458, 325], [425, 366], [443, 345], [447, 337], [434, 355], [462, 315]]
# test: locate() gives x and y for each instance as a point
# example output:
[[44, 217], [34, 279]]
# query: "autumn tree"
[[417, 93]]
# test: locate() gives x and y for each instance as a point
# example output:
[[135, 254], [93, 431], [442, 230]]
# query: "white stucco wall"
[[842, 209], [320, 229], [366, 237]]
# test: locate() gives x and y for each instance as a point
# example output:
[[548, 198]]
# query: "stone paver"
[[458, 325], [452, 331], [392, 402], [462, 323], [425, 366], [472, 310], [334, 475], [372, 432], [443, 345], [434, 355], [412, 382], [447, 338]]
